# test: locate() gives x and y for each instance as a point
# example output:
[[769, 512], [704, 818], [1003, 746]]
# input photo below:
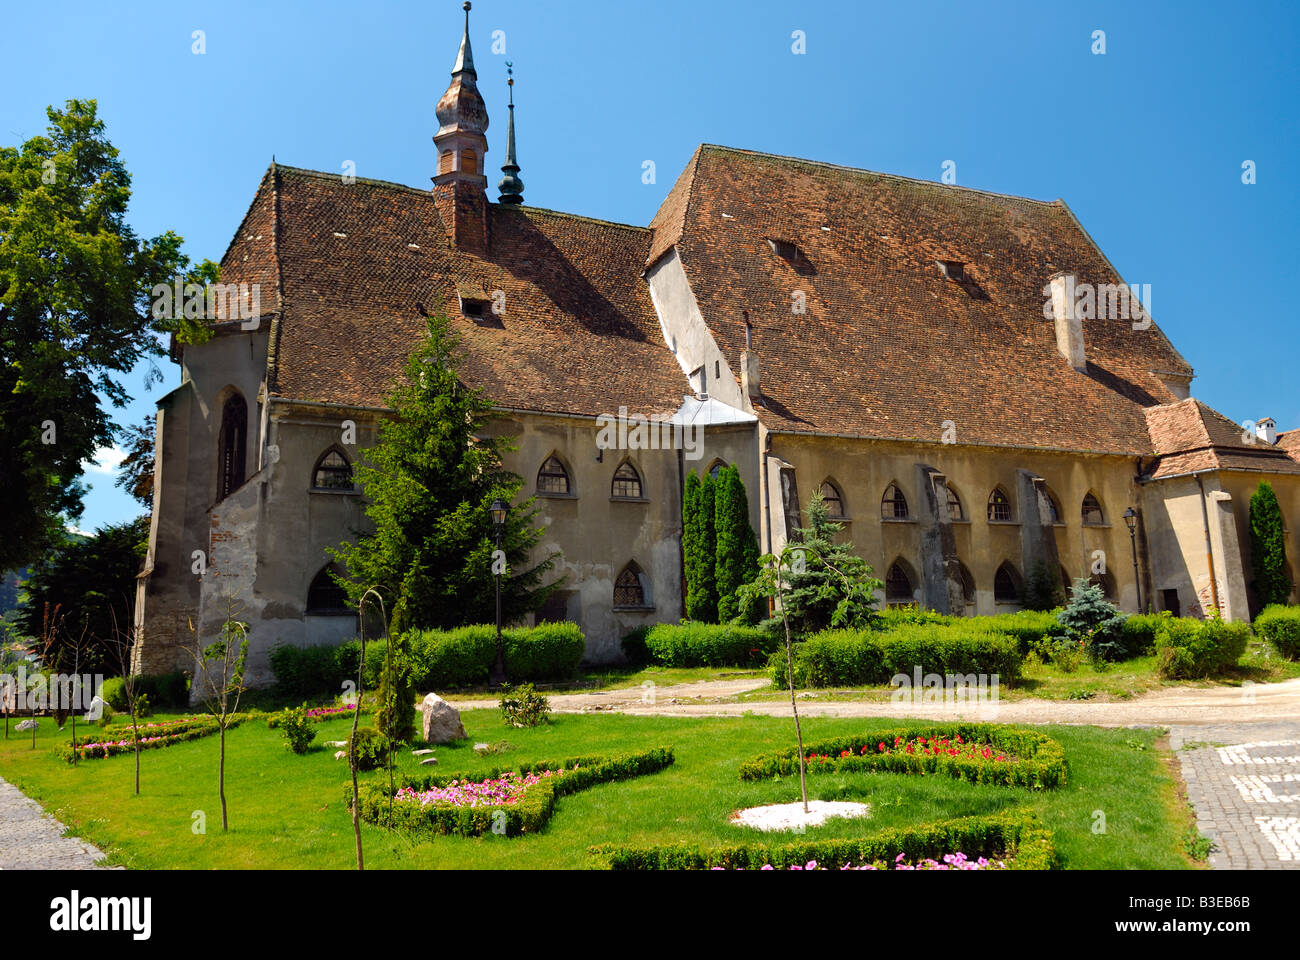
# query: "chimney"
[[1069, 328], [1266, 429], [749, 382]]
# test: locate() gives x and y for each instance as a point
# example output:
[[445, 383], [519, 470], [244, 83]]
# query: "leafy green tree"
[[827, 584], [1093, 622], [1042, 589], [701, 586], [1268, 547], [75, 285], [395, 717], [92, 580], [690, 542], [430, 482], [736, 553], [135, 472]]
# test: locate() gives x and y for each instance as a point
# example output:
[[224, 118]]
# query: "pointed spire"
[[511, 187], [465, 59]]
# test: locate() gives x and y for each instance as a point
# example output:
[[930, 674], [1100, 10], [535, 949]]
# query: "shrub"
[[395, 717], [1268, 547], [524, 707], [899, 616], [1280, 626], [1016, 836], [1036, 761], [299, 731], [161, 690], [308, 671], [548, 651], [1139, 633], [1029, 627], [692, 644], [143, 708], [368, 748], [634, 648], [841, 657], [113, 691], [1199, 648]]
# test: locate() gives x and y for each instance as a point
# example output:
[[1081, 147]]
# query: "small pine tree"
[[736, 554], [827, 584], [1268, 547], [395, 717], [690, 542], [1094, 622]]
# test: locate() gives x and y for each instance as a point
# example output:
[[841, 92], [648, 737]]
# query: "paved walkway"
[[1243, 781], [30, 839], [1258, 703]]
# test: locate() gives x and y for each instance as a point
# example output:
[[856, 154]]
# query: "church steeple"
[[460, 185], [511, 187]]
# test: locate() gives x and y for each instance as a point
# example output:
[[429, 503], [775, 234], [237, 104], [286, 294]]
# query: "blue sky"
[[1146, 142]]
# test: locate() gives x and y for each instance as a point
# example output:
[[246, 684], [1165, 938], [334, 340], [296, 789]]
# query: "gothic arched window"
[[1006, 584], [955, 509], [999, 505], [332, 472], [834, 501], [627, 482], [629, 588], [325, 596], [1092, 513], [893, 505], [553, 477], [232, 444], [898, 584]]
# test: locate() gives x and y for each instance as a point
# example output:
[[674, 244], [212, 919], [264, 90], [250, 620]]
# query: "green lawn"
[[287, 811]]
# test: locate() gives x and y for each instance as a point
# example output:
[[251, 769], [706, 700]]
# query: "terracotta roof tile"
[[1190, 437]]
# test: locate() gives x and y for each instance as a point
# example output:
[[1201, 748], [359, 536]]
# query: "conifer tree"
[[430, 482], [690, 542], [736, 553], [702, 595], [1268, 547]]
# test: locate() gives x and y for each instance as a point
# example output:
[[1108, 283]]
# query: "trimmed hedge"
[[694, 644], [440, 659], [1280, 626], [1016, 836], [1029, 627], [634, 648], [843, 657], [152, 737], [1139, 632], [528, 815], [1199, 648], [1039, 764]]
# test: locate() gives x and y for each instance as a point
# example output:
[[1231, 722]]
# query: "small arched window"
[[627, 482], [716, 467], [468, 161], [445, 160], [834, 501], [1006, 584], [324, 596], [232, 444], [1054, 507], [630, 587], [898, 585], [332, 472], [999, 505], [1092, 513], [553, 477], [967, 583], [955, 509], [893, 505]]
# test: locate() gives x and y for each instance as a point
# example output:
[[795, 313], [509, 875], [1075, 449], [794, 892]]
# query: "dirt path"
[[1176, 705]]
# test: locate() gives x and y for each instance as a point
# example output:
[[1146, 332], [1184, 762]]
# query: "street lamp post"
[[499, 510], [1130, 518]]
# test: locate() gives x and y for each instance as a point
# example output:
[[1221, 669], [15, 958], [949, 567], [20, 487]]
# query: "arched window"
[[627, 482], [716, 467], [955, 509], [325, 596], [967, 583], [898, 584], [893, 505], [553, 477], [1092, 511], [232, 444], [834, 500], [445, 161], [332, 472], [1006, 584], [999, 505], [630, 587], [468, 161]]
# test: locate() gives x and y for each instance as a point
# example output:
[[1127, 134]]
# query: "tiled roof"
[[889, 347], [1189, 437], [578, 334], [1290, 442]]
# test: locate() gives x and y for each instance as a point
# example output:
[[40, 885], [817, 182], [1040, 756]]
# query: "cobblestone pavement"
[[1243, 781], [30, 839]]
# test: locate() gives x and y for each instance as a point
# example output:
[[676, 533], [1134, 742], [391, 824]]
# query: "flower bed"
[[153, 736], [951, 861], [1014, 840], [316, 714], [976, 753], [503, 802]]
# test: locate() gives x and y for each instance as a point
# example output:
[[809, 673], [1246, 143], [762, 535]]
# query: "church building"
[[962, 375]]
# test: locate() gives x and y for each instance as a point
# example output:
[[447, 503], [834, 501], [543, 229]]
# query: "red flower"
[[882, 746], [843, 754]]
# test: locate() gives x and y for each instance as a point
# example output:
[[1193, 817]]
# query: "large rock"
[[441, 720]]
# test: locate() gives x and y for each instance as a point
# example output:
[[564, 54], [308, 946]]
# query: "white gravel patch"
[[791, 816]]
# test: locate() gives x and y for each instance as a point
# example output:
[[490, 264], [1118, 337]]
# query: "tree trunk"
[[221, 777], [135, 739], [794, 707]]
